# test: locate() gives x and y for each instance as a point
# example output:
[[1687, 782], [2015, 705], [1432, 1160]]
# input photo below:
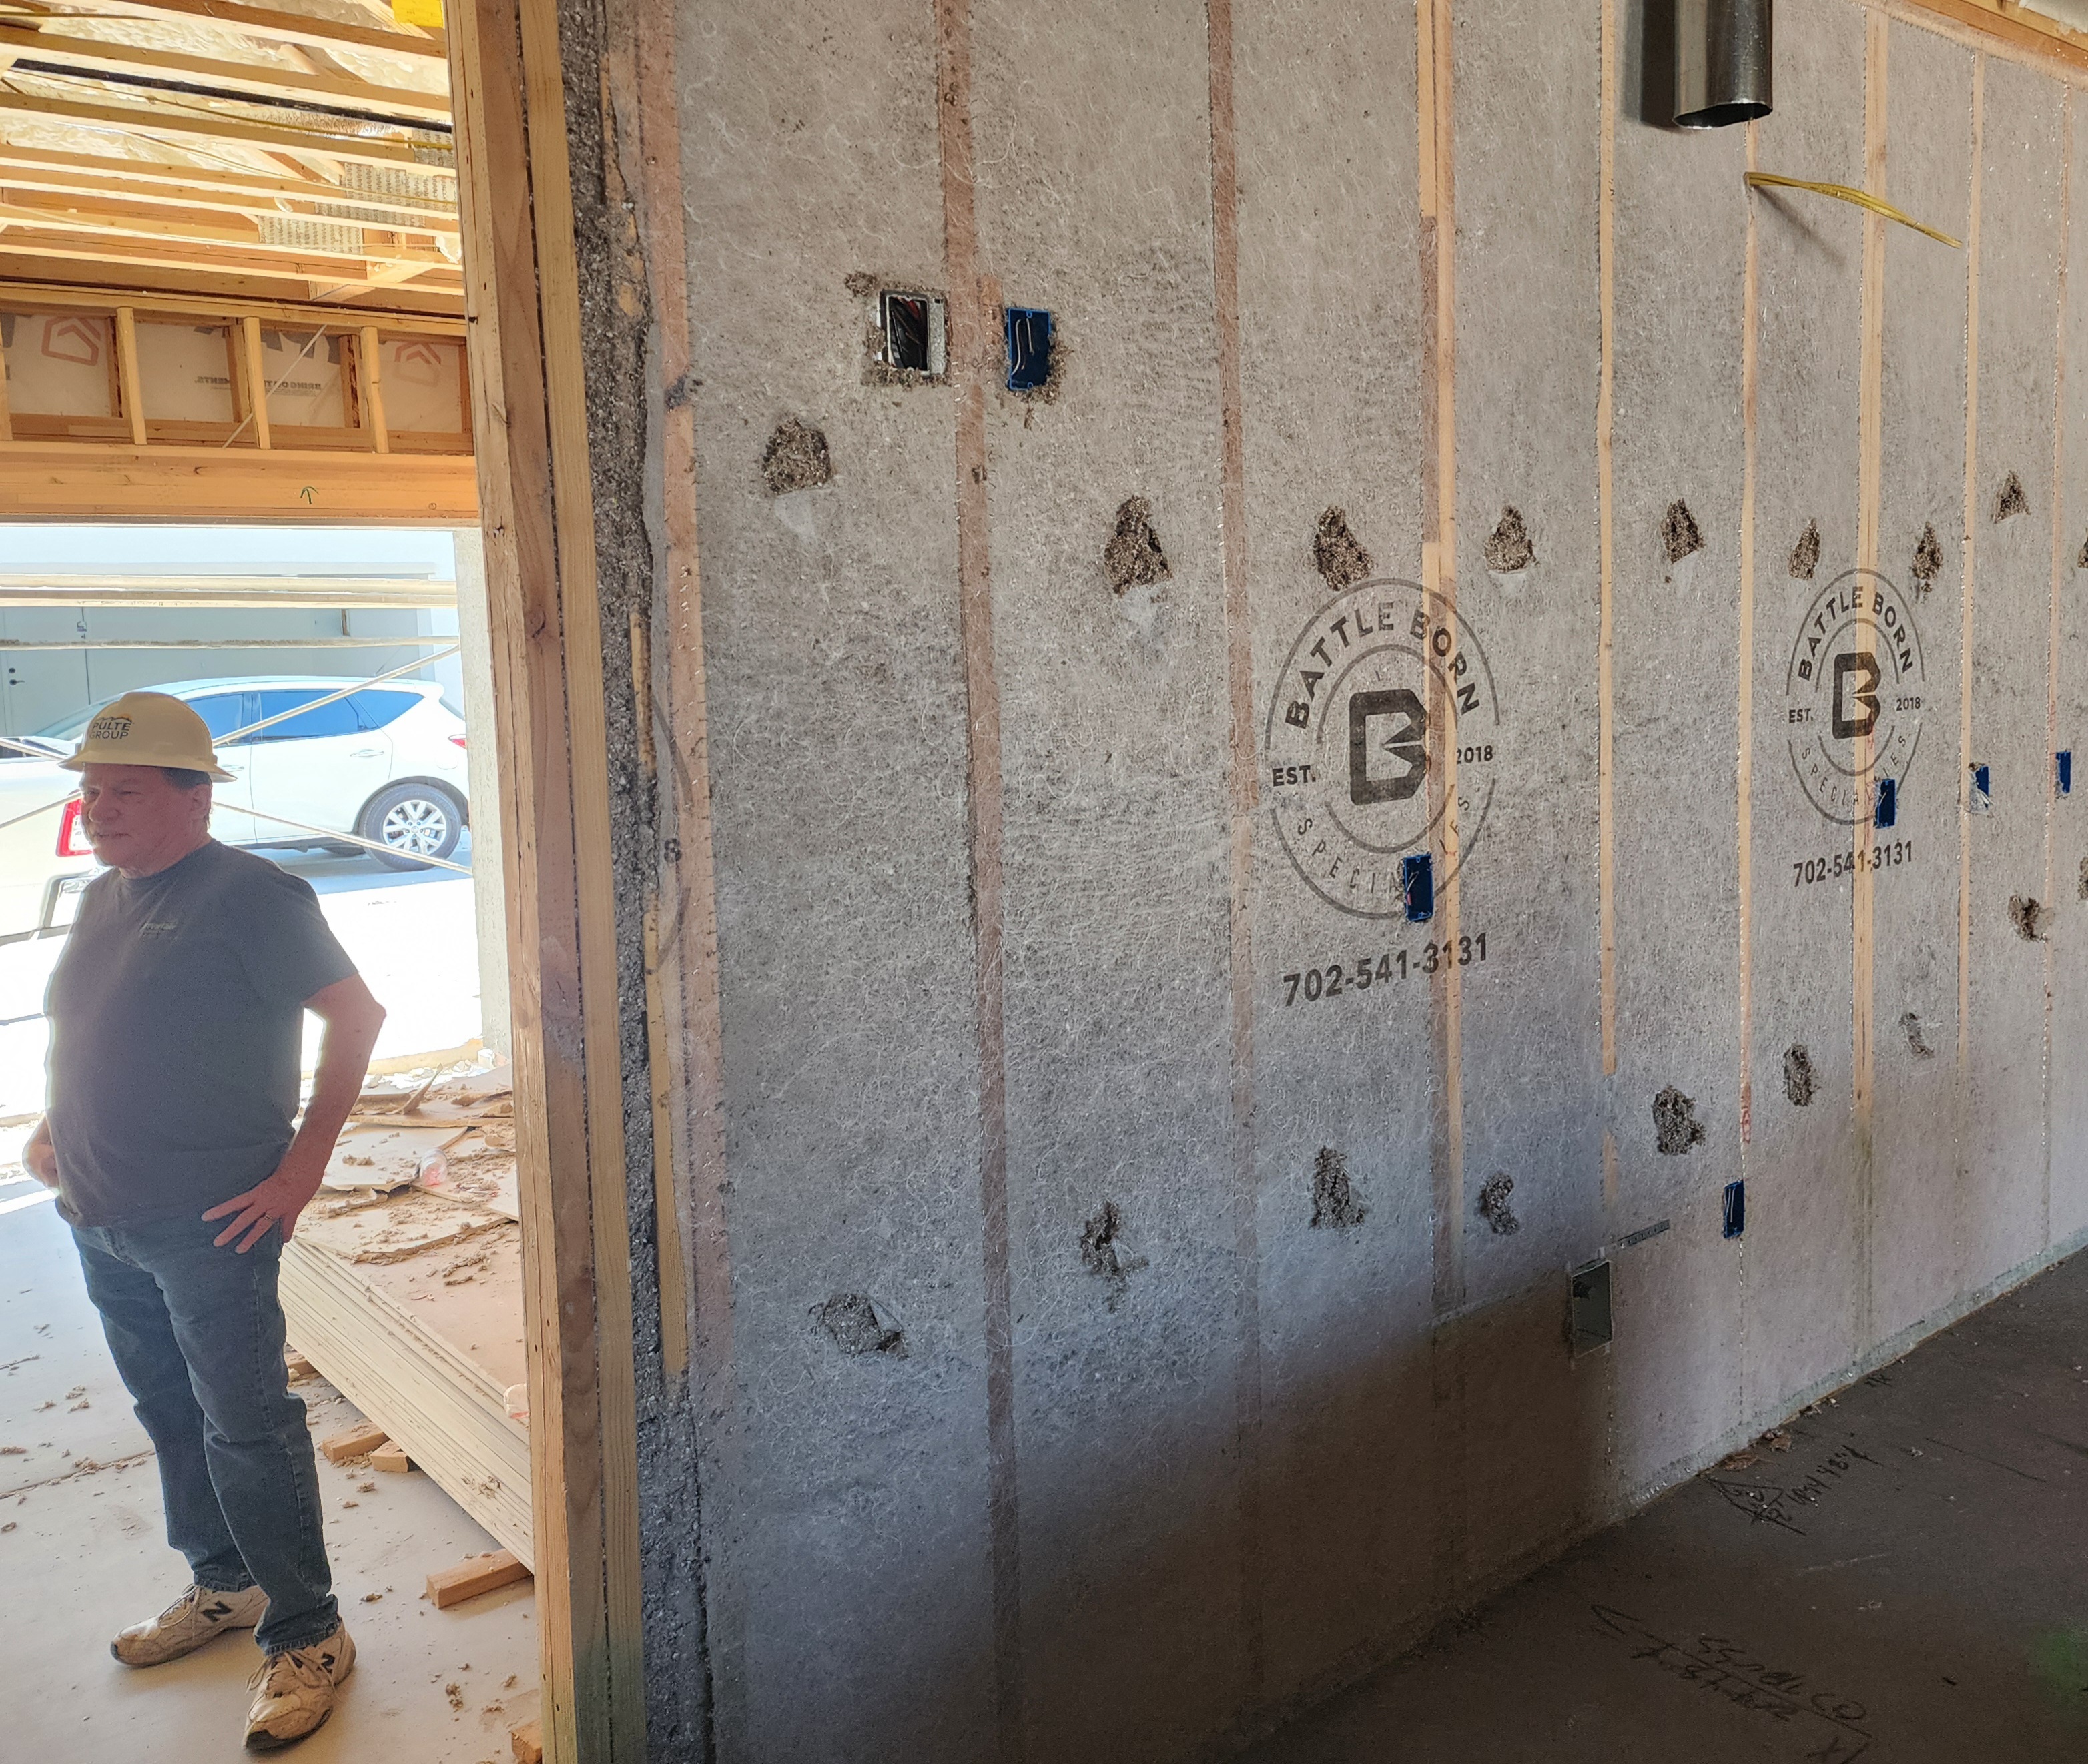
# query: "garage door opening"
[[345, 678], [238, 244]]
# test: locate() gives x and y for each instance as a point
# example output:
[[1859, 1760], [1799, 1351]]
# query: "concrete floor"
[[82, 1554], [1907, 1581]]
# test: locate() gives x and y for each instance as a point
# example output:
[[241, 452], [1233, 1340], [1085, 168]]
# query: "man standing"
[[177, 1014]]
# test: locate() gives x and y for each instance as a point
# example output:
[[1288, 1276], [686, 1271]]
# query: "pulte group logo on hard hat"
[[147, 728]]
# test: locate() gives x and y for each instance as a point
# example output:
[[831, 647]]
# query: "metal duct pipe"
[[1722, 52]]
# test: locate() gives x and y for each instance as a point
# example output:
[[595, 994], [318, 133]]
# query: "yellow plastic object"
[[427, 14], [147, 728], [1862, 198]]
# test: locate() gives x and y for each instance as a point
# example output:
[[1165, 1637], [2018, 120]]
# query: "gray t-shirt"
[[177, 1022]]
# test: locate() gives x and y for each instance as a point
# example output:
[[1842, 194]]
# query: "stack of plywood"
[[403, 1287]]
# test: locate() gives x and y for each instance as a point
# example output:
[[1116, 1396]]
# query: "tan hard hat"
[[147, 728]]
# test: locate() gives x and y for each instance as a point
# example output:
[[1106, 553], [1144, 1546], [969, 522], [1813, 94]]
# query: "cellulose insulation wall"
[[1503, 704]]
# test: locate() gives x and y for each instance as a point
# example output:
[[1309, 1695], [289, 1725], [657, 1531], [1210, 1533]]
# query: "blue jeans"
[[197, 1335]]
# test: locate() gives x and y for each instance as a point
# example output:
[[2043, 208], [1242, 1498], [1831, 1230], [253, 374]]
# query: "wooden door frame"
[[522, 300]]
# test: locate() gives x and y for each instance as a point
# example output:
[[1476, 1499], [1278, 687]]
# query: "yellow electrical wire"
[[1862, 198]]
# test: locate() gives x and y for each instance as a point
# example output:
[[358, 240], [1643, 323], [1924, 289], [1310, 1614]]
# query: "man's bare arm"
[[352, 1018]]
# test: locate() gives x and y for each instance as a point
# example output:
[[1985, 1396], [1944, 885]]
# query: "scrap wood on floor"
[[403, 1287], [475, 1574], [451, 1134]]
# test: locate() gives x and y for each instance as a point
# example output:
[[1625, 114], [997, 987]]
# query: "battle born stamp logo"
[[1853, 695], [1370, 696]]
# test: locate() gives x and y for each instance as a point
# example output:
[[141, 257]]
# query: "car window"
[[67, 729], [337, 718], [222, 712], [377, 708]]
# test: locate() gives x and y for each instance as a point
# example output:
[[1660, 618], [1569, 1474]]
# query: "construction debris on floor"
[[403, 1285]]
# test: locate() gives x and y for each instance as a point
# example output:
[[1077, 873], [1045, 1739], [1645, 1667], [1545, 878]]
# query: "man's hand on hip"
[[276, 1202], [40, 1157], [352, 1019]]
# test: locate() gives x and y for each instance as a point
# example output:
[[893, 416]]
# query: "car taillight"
[[72, 842], [458, 739]]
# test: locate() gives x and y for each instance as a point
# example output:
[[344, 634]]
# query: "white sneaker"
[[294, 1691], [199, 1615]]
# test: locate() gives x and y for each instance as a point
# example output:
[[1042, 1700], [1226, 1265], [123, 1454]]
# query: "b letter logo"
[[1406, 740], [1852, 695], [1386, 695], [1846, 667]]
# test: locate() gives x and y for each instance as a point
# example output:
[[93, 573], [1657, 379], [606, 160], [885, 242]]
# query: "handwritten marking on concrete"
[[1723, 1666], [1772, 1503]]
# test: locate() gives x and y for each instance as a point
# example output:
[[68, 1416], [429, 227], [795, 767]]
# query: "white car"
[[384, 762]]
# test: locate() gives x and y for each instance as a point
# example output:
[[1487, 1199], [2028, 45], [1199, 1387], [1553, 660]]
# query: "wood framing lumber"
[[357, 1441], [107, 177], [255, 205], [222, 591], [214, 232], [393, 1359], [291, 314], [528, 378], [298, 1366], [127, 371], [182, 126], [273, 27], [2013, 26], [110, 254], [391, 1459], [527, 1743], [92, 482], [92, 56], [57, 278], [474, 1575], [251, 376]]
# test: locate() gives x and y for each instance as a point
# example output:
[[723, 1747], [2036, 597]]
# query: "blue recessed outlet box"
[[2063, 766], [1887, 812], [1028, 348], [1983, 788], [1736, 1209], [1417, 880]]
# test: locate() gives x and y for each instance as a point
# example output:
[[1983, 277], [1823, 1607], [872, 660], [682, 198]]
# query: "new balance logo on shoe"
[[199, 1615]]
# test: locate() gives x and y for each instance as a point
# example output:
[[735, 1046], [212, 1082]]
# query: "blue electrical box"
[[1028, 330], [2063, 768], [1887, 812], [1736, 1209], [1417, 879]]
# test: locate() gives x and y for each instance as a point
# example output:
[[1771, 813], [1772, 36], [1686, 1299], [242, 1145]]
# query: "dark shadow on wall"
[[1645, 79], [1401, 1483]]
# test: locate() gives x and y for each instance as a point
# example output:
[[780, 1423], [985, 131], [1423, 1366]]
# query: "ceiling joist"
[[213, 146], [268, 26], [368, 212], [90, 58], [104, 174], [437, 298], [105, 252], [26, 208], [187, 126], [269, 312]]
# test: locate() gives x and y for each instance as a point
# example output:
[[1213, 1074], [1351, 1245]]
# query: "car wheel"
[[414, 821]]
